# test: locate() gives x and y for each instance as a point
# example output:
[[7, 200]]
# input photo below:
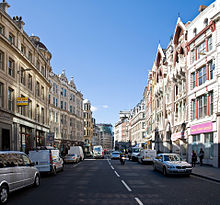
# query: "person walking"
[[194, 158], [201, 156]]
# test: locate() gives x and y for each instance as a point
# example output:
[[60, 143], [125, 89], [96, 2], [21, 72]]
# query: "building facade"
[[106, 136], [24, 86], [65, 112]]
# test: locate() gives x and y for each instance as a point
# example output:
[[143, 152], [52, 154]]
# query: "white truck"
[[146, 156], [77, 150], [98, 152], [47, 160]]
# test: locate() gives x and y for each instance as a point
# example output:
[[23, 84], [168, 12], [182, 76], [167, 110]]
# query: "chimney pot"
[[202, 8]]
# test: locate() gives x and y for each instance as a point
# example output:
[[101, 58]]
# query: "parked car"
[[71, 158], [47, 160], [77, 150], [98, 152], [16, 171], [147, 155], [115, 155], [171, 164]]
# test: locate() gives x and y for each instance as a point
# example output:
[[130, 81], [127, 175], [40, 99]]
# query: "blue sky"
[[107, 45]]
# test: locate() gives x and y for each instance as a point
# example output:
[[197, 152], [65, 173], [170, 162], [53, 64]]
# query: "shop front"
[[202, 136]]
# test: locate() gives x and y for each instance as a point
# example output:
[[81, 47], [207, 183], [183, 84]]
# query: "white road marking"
[[117, 174], [112, 167], [127, 187], [138, 201], [75, 165], [89, 159]]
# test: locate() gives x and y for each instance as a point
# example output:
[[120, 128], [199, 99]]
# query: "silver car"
[[171, 164], [71, 158], [16, 171]]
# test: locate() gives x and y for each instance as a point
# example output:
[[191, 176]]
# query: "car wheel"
[[164, 171], [3, 194], [37, 181]]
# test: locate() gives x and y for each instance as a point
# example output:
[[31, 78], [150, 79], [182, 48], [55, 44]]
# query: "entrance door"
[[5, 139]]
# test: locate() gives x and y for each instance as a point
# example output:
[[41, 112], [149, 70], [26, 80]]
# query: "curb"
[[205, 177]]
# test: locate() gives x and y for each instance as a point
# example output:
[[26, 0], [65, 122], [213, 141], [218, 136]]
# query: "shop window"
[[209, 146], [196, 145]]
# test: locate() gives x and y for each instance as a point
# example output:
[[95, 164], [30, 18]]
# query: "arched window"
[[195, 31], [206, 21]]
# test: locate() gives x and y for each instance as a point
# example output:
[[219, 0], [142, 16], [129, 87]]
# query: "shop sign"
[[176, 136], [201, 128], [22, 101]]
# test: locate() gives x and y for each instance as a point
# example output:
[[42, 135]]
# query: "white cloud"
[[93, 109], [105, 106]]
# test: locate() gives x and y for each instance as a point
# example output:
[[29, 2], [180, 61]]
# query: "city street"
[[107, 182]]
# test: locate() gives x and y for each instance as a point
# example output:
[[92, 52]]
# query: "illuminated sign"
[[201, 128], [22, 101]]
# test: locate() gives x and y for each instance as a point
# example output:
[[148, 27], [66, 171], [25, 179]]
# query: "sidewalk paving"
[[207, 172]]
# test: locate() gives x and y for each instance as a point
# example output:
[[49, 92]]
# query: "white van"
[[98, 152], [47, 160], [147, 155], [77, 150]]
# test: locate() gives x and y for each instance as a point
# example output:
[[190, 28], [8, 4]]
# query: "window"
[[11, 67], [38, 89], [2, 29], [53, 100], [61, 119], [23, 49], [202, 105], [1, 60], [192, 55], [1, 94], [42, 115], [211, 103], [54, 85], [56, 102], [61, 104], [37, 113], [193, 109], [209, 146], [210, 43], [71, 122], [11, 38], [193, 78], [38, 65], [30, 56], [43, 71], [22, 76], [56, 89], [10, 99], [30, 109], [29, 82], [26, 160], [202, 75], [211, 69], [42, 92], [56, 117], [201, 49], [64, 105], [64, 92], [196, 145], [206, 21], [194, 31], [71, 108], [49, 99], [61, 91]]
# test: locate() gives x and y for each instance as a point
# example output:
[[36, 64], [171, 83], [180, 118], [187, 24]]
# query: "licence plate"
[[147, 157]]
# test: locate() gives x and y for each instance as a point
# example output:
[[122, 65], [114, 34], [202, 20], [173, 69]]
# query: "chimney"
[[19, 22], [4, 6], [202, 8]]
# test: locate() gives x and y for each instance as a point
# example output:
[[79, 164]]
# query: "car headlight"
[[171, 166]]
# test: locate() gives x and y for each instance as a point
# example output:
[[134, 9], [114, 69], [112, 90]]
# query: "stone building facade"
[[24, 69], [65, 112]]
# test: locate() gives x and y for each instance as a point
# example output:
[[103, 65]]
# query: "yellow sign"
[[22, 101]]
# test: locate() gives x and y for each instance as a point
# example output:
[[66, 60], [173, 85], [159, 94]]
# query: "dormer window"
[[195, 31], [206, 21]]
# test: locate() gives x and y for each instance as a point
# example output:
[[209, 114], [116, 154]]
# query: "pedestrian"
[[194, 158], [201, 156]]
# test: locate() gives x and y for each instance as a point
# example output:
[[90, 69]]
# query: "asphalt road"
[[106, 182]]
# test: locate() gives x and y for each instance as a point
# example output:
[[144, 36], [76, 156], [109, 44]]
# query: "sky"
[[108, 46]]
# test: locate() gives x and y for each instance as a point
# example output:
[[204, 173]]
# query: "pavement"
[[207, 172]]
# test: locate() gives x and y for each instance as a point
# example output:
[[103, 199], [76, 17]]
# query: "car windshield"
[[115, 152], [136, 150], [171, 158], [71, 155], [97, 149]]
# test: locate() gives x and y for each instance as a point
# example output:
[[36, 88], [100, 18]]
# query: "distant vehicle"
[[135, 151], [98, 152], [115, 155], [16, 171], [147, 155], [171, 164], [71, 158], [77, 150], [47, 160]]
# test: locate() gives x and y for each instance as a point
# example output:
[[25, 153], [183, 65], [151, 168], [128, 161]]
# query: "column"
[[207, 71], [196, 80], [207, 45], [207, 105], [196, 109]]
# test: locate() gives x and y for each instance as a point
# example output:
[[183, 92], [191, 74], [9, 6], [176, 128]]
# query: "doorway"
[[5, 140]]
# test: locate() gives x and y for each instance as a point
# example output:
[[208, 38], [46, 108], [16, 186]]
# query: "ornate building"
[[66, 112], [24, 86]]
